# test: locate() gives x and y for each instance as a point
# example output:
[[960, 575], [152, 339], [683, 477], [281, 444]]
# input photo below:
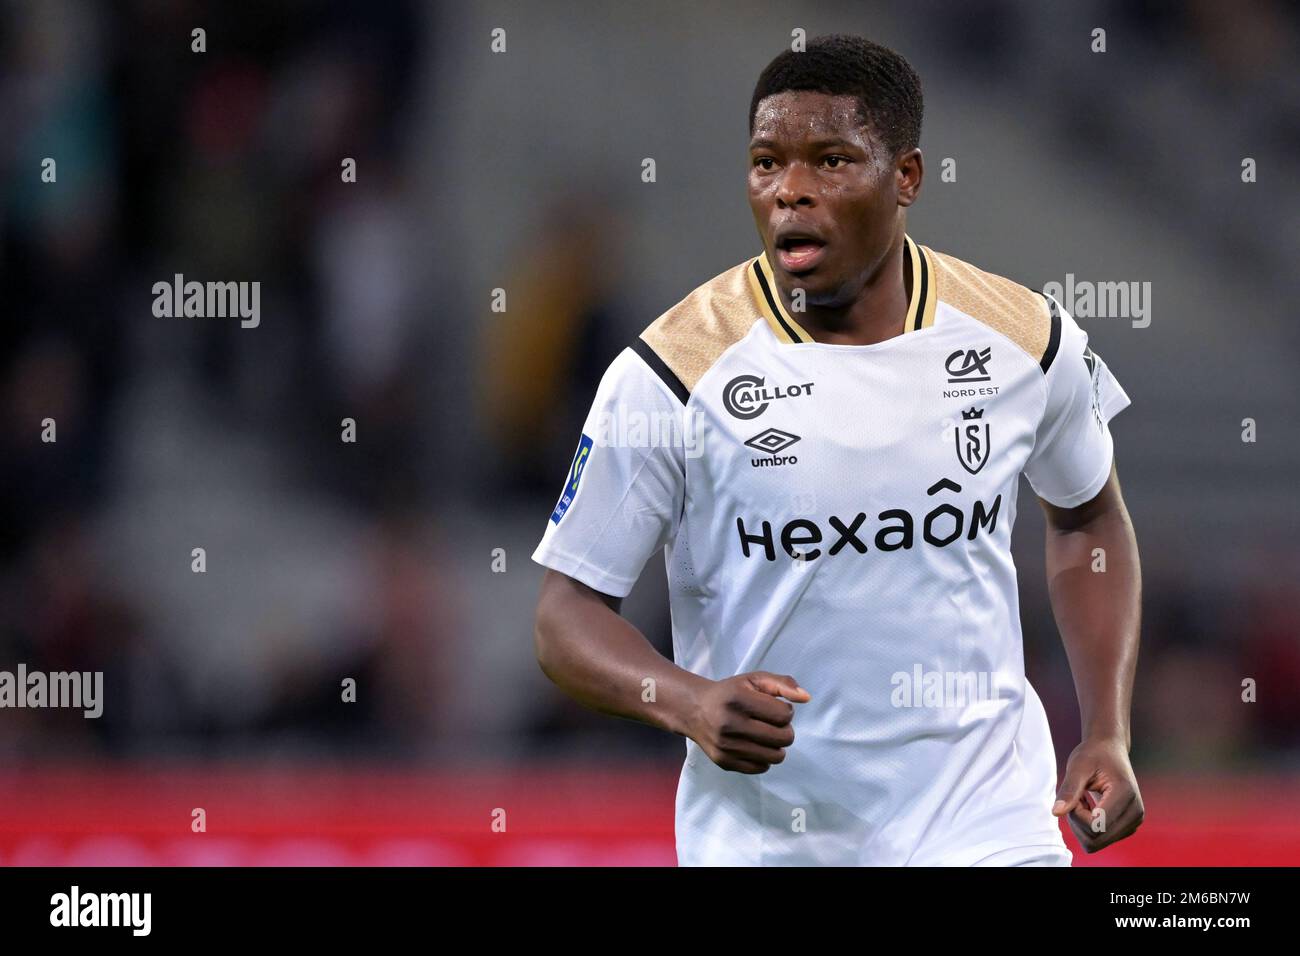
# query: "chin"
[[819, 290]]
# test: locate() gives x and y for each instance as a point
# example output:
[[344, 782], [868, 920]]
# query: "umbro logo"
[[773, 441]]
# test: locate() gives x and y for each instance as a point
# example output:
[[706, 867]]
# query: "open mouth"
[[799, 252]]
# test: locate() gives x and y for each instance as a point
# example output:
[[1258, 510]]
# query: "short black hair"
[[887, 88]]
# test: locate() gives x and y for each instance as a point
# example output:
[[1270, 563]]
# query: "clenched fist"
[[742, 723]]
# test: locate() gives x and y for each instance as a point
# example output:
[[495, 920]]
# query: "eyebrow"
[[766, 143]]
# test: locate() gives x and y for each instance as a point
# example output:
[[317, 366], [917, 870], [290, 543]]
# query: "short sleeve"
[[1073, 448], [623, 495]]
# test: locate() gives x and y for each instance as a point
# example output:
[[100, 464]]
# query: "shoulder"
[[1029, 319], [685, 341]]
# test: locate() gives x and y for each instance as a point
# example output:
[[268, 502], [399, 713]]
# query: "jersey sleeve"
[[623, 495], [1073, 448]]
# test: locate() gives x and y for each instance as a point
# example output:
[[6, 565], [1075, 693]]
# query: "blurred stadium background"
[[521, 170]]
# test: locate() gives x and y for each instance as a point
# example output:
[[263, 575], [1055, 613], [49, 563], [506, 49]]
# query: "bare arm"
[[1098, 613], [598, 658], [603, 662]]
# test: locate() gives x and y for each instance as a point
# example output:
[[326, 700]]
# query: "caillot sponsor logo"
[[773, 441], [893, 529], [748, 396]]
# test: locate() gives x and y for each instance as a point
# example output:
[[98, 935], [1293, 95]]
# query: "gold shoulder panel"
[[1008, 307], [694, 333]]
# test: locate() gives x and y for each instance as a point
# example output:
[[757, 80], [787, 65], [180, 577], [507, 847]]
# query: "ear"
[[909, 169]]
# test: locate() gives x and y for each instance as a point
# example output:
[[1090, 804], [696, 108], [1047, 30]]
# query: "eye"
[[835, 162], [764, 163]]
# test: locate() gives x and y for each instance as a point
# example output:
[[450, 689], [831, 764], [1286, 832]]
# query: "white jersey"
[[843, 514]]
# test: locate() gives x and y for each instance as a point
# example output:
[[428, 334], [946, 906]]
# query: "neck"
[[876, 314]]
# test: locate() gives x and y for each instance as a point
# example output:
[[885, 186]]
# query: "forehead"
[[799, 114]]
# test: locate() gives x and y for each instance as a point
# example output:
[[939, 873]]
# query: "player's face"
[[825, 193]]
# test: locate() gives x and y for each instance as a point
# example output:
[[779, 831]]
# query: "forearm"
[[1098, 613], [601, 660]]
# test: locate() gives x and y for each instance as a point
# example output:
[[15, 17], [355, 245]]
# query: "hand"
[[741, 722], [1101, 767]]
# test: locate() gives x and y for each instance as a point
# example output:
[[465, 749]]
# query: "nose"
[[795, 188]]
